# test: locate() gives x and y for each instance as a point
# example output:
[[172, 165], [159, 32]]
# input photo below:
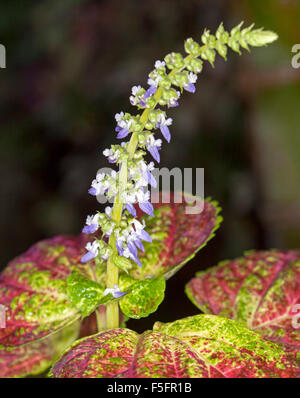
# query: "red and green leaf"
[[34, 288], [260, 289], [199, 346], [33, 291], [176, 235], [143, 298], [36, 357]]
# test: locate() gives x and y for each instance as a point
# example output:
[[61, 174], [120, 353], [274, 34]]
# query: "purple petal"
[[137, 261], [118, 128], [132, 248], [145, 236], [87, 257], [173, 104], [118, 294], [154, 152], [151, 180], [165, 132], [119, 245], [110, 160], [147, 208], [139, 244], [131, 209], [123, 133], [151, 90], [92, 191], [90, 229], [190, 88], [142, 102]]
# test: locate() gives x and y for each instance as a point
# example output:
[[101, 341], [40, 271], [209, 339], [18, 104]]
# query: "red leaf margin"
[[52, 260], [205, 346], [260, 289]]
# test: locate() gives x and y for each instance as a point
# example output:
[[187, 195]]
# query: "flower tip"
[[83, 259], [260, 37], [270, 36], [92, 191]]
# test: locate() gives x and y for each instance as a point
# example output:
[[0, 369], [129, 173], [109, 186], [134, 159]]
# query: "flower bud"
[[222, 49], [142, 139], [123, 263], [150, 102], [209, 55], [192, 47], [174, 60], [236, 31], [221, 34], [234, 45], [123, 224], [195, 65], [180, 79], [149, 126], [162, 101], [165, 83], [153, 117], [137, 127], [259, 37]]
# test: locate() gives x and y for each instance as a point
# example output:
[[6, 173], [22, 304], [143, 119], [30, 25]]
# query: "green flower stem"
[[100, 317], [112, 274], [101, 320]]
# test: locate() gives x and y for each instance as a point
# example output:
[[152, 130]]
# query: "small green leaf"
[[143, 298], [84, 293], [123, 263]]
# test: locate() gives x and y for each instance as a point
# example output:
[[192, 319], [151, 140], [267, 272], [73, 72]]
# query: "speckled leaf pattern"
[[143, 298], [36, 357], [33, 290], [84, 293], [33, 286], [199, 346], [260, 289], [176, 235]]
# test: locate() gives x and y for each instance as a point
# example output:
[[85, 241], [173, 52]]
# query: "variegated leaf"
[[33, 292], [261, 289], [176, 237], [176, 234], [37, 356], [143, 298], [200, 346], [33, 286]]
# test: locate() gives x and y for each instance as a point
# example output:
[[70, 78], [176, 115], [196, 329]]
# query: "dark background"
[[70, 67]]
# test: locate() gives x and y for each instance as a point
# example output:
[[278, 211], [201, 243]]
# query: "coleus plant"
[[69, 287], [261, 290]]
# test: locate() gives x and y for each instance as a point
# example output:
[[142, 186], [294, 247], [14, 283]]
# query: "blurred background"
[[70, 67]]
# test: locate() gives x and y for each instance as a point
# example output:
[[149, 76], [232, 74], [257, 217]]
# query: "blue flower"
[[190, 87], [163, 124], [131, 209], [93, 250], [92, 224], [154, 146], [151, 90], [115, 292]]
